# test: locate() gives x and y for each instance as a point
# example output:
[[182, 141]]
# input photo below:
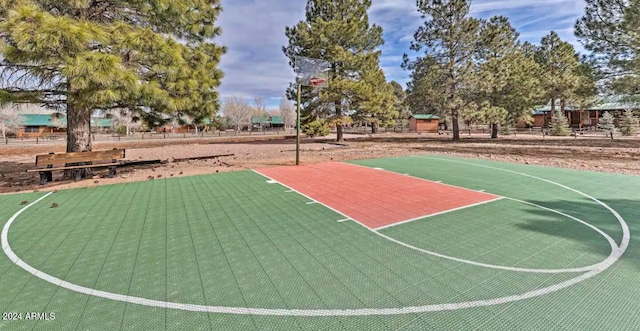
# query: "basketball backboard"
[[312, 72]]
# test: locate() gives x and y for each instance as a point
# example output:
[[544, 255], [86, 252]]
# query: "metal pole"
[[298, 129]]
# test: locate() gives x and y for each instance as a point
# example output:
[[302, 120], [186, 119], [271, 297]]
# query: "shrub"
[[122, 130], [629, 123], [318, 127], [560, 125], [607, 123]]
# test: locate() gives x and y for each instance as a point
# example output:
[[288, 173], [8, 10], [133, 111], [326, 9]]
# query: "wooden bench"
[[47, 163]]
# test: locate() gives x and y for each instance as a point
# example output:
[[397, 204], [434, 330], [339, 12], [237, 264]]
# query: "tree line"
[[466, 69], [156, 59]]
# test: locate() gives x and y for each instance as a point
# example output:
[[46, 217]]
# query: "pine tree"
[[449, 40], [560, 67], [608, 30], [339, 32], [376, 102], [629, 123], [400, 102], [507, 85], [150, 57], [560, 125], [427, 90], [607, 123]]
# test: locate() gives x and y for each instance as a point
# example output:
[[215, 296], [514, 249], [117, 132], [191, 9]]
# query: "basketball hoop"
[[312, 72], [316, 81]]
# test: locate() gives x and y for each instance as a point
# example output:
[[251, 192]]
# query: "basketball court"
[[422, 242]]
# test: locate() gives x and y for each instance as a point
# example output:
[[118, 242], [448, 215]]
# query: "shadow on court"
[[595, 215]]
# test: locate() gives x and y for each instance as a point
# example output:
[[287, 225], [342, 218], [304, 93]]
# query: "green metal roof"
[[425, 117], [259, 119], [609, 102], [37, 120], [616, 102], [47, 120], [267, 119]]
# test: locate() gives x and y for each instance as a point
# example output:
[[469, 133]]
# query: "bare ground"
[[593, 153]]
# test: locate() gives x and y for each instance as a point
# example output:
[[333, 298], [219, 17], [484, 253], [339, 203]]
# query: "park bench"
[[77, 161]]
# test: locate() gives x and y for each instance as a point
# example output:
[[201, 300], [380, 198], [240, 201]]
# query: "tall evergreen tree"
[[375, 102], [449, 40], [400, 102], [150, 57], [427, 90], [507, 87], [339, 32], [560, 67], [584, 94], [608, 30]]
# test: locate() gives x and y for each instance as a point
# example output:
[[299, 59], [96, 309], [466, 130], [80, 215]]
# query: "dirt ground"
[[593, 154]]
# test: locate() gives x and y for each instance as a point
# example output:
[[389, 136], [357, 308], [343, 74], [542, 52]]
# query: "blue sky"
[[253, 32]]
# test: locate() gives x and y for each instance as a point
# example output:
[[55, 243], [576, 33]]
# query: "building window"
[[31, 128]]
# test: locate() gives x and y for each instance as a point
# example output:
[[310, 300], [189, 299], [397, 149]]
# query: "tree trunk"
[[78, 129], [456, 125], [553, 107], [374, 128], [78, 133], [339, 133], [494, 130]]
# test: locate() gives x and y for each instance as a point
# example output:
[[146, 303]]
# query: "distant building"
[[39, 125], [587, 117], [267, 122], [424, 123]]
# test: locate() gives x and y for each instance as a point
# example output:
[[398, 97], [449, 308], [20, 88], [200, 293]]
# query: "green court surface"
[[233, 251]]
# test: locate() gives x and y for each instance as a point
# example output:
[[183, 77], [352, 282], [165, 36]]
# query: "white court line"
[[271, 181], [626, 232], [452, 258], [378, 168], [308, 197], [612, 243], [419, 178], [481, 190], [312, 202], [344, 220], [619, 251], [436, 214]]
